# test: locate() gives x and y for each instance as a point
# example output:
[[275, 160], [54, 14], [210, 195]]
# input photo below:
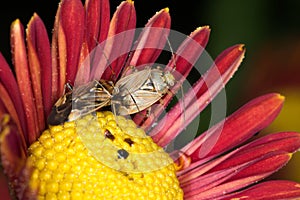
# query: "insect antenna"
[[126, 68], [106, 58], [109, 65], [173, 60], [172, 52]]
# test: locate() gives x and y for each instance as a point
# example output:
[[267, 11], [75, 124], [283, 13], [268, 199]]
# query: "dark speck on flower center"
[[122, 154], [128, 141], [108, 135]]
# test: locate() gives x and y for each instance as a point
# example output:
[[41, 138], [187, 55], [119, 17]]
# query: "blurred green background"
[[270, 30]]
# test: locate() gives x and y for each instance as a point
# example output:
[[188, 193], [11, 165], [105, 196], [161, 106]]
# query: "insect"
[[80, 101], [130, 94], [140, 90]]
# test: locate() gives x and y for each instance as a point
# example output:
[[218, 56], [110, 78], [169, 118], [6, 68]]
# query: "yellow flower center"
[[100, 157]]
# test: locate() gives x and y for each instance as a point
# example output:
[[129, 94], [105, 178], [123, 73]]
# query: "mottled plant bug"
[[80, 101], [130, 94], [140, 90]]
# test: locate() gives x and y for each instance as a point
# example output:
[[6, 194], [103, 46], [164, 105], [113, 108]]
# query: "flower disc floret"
[[101, 157]]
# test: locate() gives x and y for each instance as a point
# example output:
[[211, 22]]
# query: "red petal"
[[3, 110], [277, 189], [190, 50], [13, 151], [55, 60], [11, 86], [97, 21], [72, 24], [208, 181], [7, 102], [117, 46], [23, 79], [278, 159], [152, 39], [83, 73], [40, 59], [237, 128], [266, 166], [4, 187], [35, 72], [200, 167], [204, 90], [285, 141], [186, 56]]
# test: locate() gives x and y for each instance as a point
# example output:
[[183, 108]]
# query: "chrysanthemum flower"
[[63, 163]]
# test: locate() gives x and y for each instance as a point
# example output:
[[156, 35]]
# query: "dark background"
[[270, 30]]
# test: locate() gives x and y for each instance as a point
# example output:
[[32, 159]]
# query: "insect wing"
[[87, 108], [140, 90], [89, 98], [81, 101], [136, 102], [132, 82]]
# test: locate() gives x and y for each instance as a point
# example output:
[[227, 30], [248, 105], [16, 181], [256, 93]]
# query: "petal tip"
[[16, 23], [277, 96], [280, 97], [166, 10], [130, 1], [203, 27], [241, 47], [34, 17]]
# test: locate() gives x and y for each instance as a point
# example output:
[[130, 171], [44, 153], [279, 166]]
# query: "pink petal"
[[237, 128], [152, 39], [204, 90], [97, 21], [72, 25], [23, 79], [185, 57], [39, 57], [277, 189], [11, 86], [117, 46]]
